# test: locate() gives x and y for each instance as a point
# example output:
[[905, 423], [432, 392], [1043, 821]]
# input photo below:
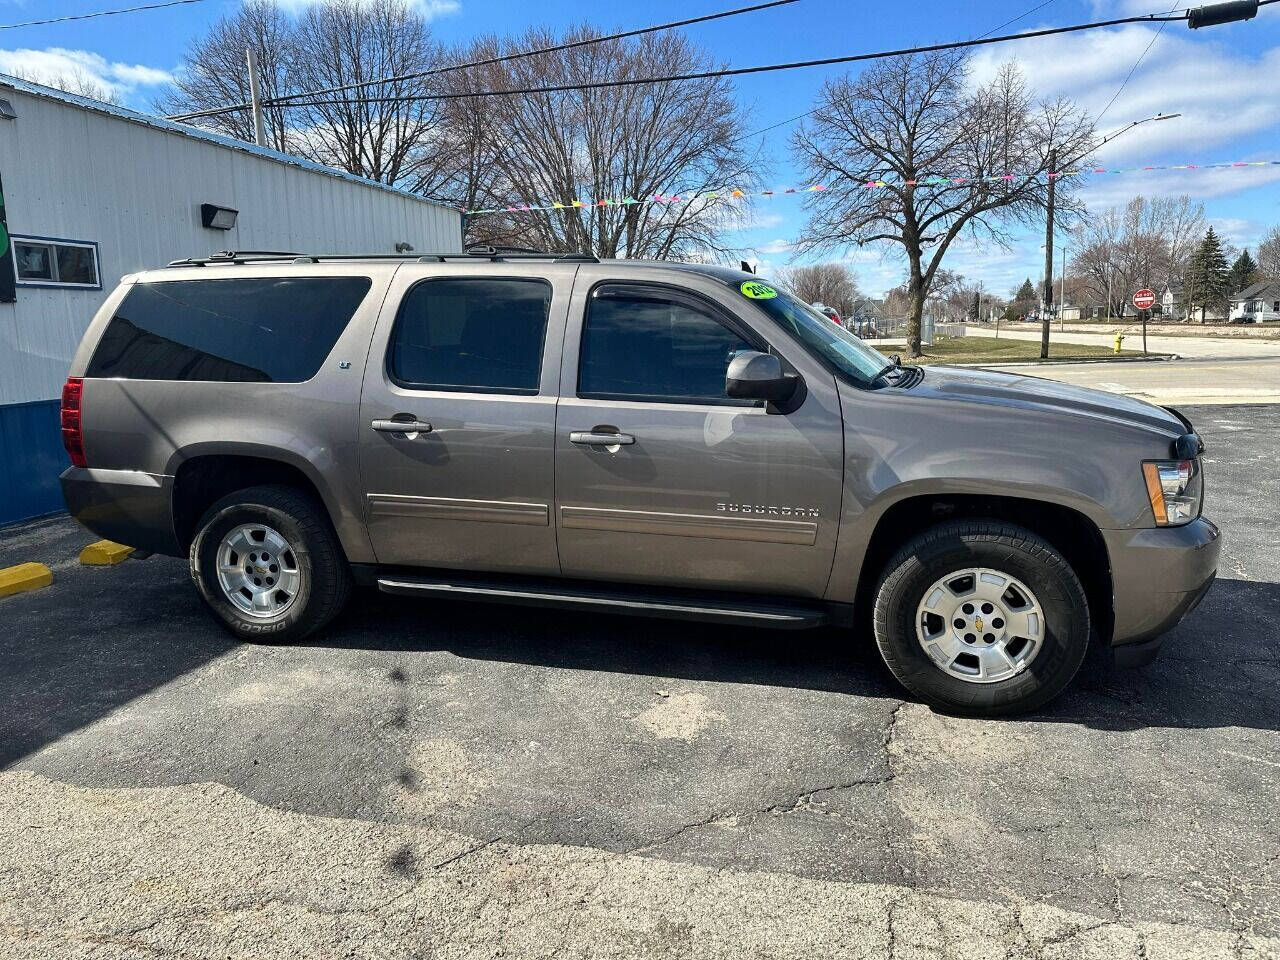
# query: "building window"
[[44, 262]]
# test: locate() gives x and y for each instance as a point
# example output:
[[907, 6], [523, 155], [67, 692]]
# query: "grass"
[[993, 350]]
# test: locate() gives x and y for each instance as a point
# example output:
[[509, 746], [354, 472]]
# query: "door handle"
[[410, 428], [602, 439]]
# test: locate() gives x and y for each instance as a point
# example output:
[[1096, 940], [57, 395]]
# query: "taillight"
[[72, 431]]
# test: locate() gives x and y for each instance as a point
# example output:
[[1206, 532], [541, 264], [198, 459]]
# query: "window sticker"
[[757, 291]]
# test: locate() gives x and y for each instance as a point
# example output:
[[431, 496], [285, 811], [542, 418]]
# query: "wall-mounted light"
[[6, 111], [218, 218]]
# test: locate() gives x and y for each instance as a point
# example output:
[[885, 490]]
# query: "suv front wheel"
[[269, 565], [981, 617]]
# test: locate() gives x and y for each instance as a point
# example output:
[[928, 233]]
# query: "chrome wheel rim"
[[980, 625], [258, 570]]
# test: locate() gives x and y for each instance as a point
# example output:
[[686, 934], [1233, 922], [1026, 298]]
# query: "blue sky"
[[1224, 80]]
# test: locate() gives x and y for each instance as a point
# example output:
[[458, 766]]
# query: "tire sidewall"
[[1030, 561], [220, 520]]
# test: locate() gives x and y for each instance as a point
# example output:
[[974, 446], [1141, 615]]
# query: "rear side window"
[[655, 350], [261, 330], [473, 335]]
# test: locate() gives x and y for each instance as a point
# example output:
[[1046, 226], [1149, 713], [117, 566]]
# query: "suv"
[[627, 437]]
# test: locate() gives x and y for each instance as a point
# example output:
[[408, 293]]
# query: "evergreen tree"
[[975, 308], [1207, 282], [1243, 272]]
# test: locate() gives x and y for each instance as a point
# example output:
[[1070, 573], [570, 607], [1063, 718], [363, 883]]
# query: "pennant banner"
[[931, 181]]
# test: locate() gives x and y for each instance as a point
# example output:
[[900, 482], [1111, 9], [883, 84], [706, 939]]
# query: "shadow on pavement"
[[1219, 668], [73, 653]]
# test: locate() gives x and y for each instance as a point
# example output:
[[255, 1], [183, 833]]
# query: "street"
[[463, 780]]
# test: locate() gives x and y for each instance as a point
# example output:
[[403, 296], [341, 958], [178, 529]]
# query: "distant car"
[[829, 312]]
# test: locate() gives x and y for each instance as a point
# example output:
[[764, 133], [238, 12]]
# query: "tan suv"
[[626, 437]]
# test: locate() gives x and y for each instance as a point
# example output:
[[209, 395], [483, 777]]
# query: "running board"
[[782, 616]]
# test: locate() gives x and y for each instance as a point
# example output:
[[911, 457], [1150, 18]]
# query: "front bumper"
[[1158, 576], [126, 506]]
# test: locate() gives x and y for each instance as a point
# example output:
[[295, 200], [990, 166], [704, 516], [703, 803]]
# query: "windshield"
[[833, 343]]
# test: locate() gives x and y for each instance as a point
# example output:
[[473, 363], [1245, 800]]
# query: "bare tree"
[[76, 82], [1147, 243], [383, 131], [214, 73], [619, 144], [1269, 254], [831, 283], [911, 123], [392, 138]]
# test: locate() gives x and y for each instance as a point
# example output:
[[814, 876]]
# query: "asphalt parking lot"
[[461, 780]]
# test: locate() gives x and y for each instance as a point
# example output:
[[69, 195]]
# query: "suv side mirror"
[[758, 376]]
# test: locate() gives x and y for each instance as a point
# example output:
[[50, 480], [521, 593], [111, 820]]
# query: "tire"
[[309, 569], [1042, 593]]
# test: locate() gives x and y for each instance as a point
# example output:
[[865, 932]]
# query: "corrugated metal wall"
[[79, 174], [136, 191]]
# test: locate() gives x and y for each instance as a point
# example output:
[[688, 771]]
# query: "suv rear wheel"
[[269, 565], [981, 617]]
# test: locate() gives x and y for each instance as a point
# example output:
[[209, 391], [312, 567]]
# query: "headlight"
[[1175, 488]]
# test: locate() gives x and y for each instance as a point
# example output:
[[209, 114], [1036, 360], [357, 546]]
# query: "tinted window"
[[471, 335], [268, 329], [656, 350]]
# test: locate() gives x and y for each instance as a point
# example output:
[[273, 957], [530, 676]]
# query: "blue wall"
[[31, 457]]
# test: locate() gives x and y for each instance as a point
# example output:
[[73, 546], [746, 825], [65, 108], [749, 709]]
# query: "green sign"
[[757, 291]]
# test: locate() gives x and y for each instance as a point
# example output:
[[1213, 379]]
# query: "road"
[[453, 780]]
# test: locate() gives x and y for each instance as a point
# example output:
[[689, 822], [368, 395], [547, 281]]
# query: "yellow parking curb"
[[24, 577], [104, 553]]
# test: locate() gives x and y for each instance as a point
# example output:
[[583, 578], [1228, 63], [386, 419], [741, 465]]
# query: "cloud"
[[1111, 190], [761, 220], [1220, 92], [80, 70], [773, 247], [430, 9]]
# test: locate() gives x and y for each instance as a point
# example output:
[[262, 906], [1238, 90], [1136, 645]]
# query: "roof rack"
[[473, 253]]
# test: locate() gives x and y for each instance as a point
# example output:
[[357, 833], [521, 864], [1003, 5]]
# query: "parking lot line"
[[24, 577], [104, 553]]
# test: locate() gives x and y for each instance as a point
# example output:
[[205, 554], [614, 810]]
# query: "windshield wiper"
[[895, 363]]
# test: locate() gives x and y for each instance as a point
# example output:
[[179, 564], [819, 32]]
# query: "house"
[[1172, 306], [1257, 303], [90, 192]]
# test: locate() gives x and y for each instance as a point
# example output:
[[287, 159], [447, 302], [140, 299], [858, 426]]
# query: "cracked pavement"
[[453, 780]]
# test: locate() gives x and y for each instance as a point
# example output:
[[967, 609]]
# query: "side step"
[[778, 615]]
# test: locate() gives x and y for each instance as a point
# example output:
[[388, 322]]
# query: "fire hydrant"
[[1119, 340]]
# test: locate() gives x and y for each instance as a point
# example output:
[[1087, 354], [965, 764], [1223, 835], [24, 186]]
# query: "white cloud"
[[1111, 190], [773, 247], [55, 65], [428, 8], [1223, 94], [759, 219]]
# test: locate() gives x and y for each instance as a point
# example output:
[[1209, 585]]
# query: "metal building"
[[90, 192]]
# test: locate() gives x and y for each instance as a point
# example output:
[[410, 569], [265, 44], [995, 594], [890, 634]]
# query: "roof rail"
[[475, 253]]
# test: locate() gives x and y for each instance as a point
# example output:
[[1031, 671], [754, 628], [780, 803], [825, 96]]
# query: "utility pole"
[[1048, 258], [255, 98]]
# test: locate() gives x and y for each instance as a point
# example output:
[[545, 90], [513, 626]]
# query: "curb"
[[24, 577], [104, 553], [1051, 362]]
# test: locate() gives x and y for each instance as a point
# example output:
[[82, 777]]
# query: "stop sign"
[[1144, 299]]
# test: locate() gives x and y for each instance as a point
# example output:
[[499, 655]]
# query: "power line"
[[284, 99], [98, 13], [1128, 76], [734, 71], [801, 116]]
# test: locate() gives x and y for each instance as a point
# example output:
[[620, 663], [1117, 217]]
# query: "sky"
[[1225, 81]]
